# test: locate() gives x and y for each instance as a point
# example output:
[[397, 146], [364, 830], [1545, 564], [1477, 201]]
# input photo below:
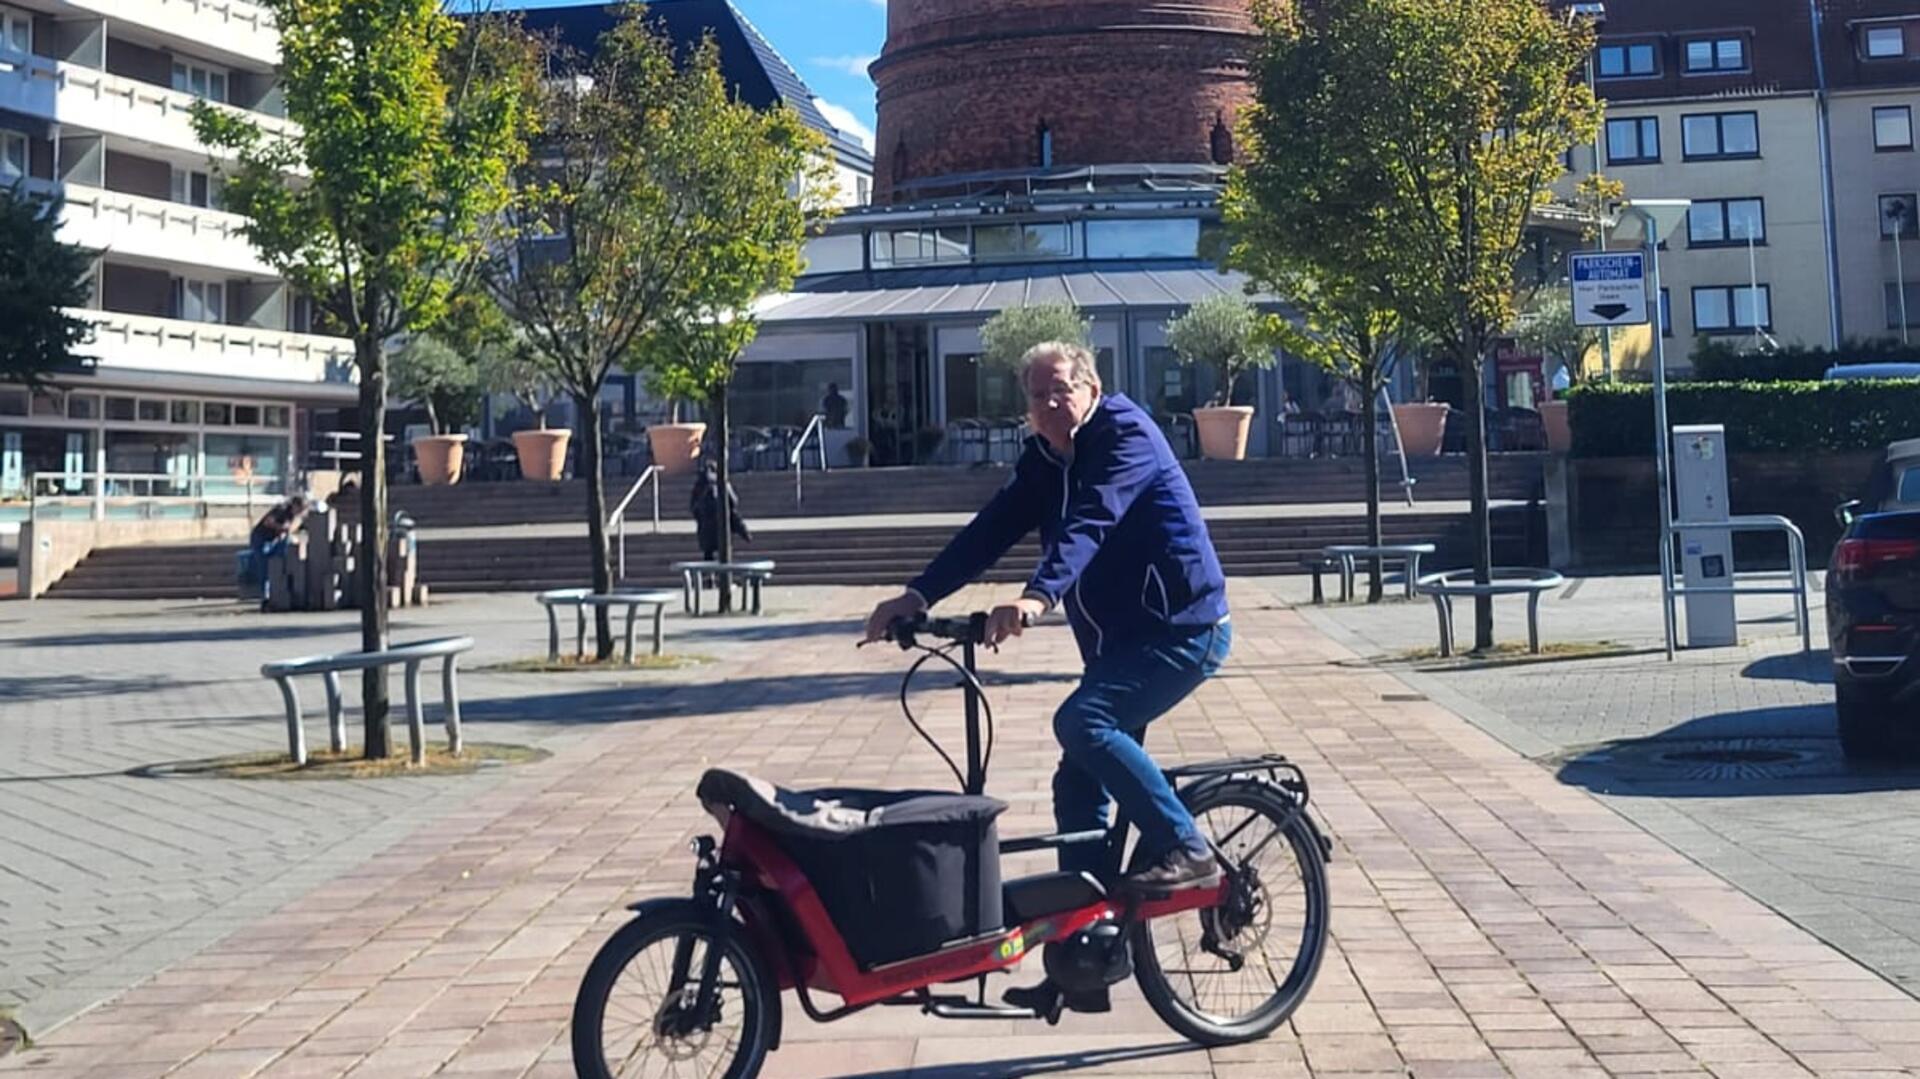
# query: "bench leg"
[[296, 736], [757, 584], [1533, 622], [416, 721], [1413, 572], [580, 631], [1443, 607], [336, 716], [631, 611], [553, 635], [1319, 594], [686, 591], [450, 696], [1346, 579], [659, 627]]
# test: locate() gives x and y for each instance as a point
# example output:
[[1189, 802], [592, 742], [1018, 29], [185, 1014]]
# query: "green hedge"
[[1718, 361], [1760, 417]]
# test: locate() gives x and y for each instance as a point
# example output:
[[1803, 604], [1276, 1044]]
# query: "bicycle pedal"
[[1090, 1002]]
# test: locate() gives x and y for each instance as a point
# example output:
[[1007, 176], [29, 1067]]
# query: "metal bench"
[[750, 576], [580, 599], [1349, 555], [1507, 581], [329, 668], [1318, 564]]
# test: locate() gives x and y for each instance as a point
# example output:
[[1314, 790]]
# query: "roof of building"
[[755, 70], [983, 290]]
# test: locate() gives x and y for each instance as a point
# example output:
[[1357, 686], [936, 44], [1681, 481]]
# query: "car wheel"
[[1867, 733]]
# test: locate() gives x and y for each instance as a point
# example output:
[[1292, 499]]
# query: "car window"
[[1910, 487]]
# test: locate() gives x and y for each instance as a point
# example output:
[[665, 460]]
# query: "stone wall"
[[48, 549]]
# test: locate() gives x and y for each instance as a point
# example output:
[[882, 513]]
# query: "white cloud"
[[846, 121], [851, 65]]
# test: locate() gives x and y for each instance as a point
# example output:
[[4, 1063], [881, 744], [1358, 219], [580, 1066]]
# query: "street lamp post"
[[1901, 213]]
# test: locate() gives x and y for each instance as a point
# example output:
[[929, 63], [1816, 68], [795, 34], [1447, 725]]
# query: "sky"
[[830, 42]]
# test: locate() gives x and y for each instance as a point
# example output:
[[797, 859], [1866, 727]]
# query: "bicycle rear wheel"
[[1235, 972], [634, 1015]]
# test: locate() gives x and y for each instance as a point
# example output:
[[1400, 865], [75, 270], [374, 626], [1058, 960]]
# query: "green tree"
[[1223, 332], [655, 211], [1547, 326], [1008, 335], [381, 206], [40, 277], [434, 375], [1424, 133]]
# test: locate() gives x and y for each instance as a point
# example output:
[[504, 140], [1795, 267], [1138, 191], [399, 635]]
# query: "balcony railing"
[[87, 98], [233, 26], [207, 348], [134, 225]]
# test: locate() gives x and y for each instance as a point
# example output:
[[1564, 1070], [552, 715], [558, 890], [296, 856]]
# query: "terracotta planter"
[[543, 453], [440, 458], [676, 446], [1553, 414], [1422, 428], [1223, 431]]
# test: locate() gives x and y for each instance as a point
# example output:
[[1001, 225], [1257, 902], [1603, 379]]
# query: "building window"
[[1666, 312], [1893, 127], [1715, 55], [1725, 222], [1221, 141], [1627, 61], [195, 188], [1633, 141], [16, 31], [1022, 241], [200, 301], [1732, 309], [13, 157], [1898, 216], [1886, 43], [1043, 146], [1720, 135], [862, 191], [1903, 305], [914, 247], [209, 83], [1146, 238]]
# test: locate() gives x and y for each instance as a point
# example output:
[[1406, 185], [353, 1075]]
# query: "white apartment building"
[[205, 371]]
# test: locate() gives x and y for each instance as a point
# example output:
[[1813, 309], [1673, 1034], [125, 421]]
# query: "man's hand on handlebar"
[[1012, 619], [904, 605]]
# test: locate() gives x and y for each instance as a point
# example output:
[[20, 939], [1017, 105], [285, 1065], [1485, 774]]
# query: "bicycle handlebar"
[[969, 630]]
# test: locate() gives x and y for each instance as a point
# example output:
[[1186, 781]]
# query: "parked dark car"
[[1873, 625]]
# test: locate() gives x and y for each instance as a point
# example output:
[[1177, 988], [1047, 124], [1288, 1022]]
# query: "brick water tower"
[[969, 87]]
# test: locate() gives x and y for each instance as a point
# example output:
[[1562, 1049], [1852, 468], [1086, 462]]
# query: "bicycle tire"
[[1187, 1017], [758, 994]]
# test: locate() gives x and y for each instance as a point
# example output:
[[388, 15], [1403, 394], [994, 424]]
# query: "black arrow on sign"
[[1609, 311]]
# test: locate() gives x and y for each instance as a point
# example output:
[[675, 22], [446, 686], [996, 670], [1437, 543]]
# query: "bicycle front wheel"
[[1235, 972], [639, 1013]]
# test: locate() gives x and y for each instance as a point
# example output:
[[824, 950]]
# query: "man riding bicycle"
[[1126, 552]]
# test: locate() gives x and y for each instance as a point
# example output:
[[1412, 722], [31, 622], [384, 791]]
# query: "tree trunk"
[[1370, 453], [724, 519], [371, 558], [1482, 532], [591, 464]]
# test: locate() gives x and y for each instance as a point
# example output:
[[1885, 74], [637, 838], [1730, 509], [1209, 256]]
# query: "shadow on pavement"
[[1814, 668], [1049, 1064], [248, 632], [63, 687], [1775, 752], [735, 628]]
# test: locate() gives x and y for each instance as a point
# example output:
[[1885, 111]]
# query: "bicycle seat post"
[[976, 770]]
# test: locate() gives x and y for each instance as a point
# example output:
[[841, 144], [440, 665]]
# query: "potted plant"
[[1221, 332], [675, 445], [927, 442], [514, 370], [858, 449], [433, 375]]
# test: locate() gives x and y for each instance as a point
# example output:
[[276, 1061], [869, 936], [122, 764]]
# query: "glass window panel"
[[82, 406], [834, 254], [181, 80], [1710, 309], [1699, 55], [1886, 41], [48, 404], [1893, 128], [1640, 60], [13, 156], [1746, 220], [120, 408], [1910, 485], [183, 412], [1731, 54], [1898, 213], [952, 245], [1911, 310], [13, 402], [1700, 135], [996, 241], [1706, 223], [152, 411], [1751, 307], [1048, 240], [217, 85], [246, 415], [274, 416], [1613, 61], [1166, 238], [1740, 133], [218, 414]]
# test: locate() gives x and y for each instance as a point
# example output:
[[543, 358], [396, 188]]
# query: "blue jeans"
[[1101, 728]]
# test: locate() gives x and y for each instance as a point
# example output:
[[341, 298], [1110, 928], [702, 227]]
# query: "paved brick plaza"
[[1489, 920]]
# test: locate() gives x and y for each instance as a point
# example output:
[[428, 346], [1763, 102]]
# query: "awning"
[[975, 290]]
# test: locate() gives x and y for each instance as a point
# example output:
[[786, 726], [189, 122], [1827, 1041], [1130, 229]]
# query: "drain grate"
[[1711, 760]]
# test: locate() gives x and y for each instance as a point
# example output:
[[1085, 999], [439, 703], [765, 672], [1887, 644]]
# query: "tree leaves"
[[39, 278]]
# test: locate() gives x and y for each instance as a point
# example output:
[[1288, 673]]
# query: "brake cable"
[[971, 680]]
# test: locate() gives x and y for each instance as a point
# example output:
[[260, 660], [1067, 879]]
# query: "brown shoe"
[[1176, 871]]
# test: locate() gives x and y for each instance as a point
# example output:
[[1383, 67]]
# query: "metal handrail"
[[816, 432], [618, 519], [1796, 573]]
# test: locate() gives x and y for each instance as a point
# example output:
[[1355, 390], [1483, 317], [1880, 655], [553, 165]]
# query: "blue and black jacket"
[[1124, 547]]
